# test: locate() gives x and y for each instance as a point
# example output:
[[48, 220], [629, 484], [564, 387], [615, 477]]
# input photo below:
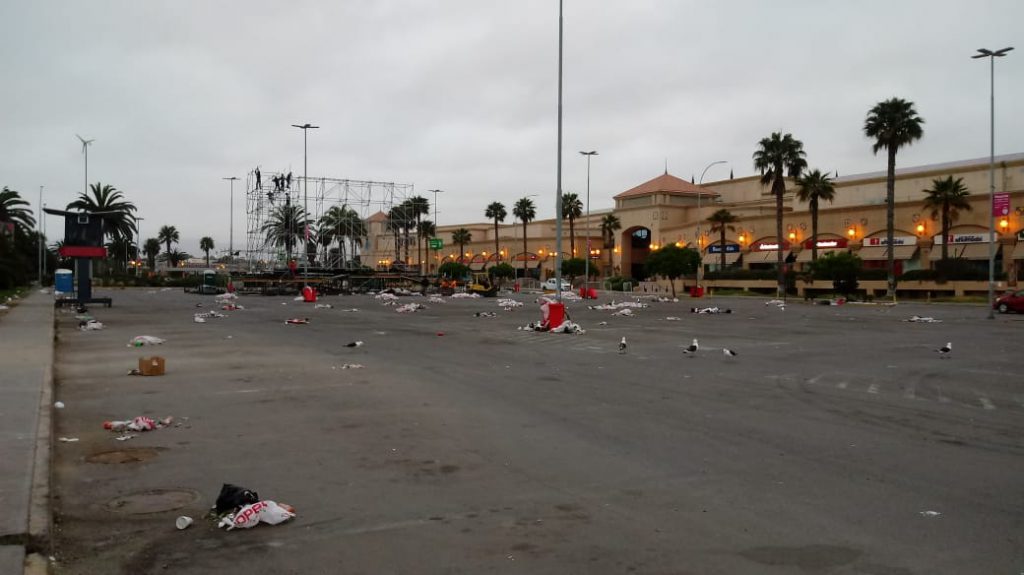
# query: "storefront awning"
[[878, 253], [978, 251], [765, 257], [805, 255], [716, 259]]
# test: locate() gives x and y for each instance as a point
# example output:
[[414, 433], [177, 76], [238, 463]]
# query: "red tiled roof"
[[666, 184]]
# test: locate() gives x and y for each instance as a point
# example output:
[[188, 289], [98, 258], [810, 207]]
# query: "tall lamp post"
[[558, 191], [231, 224], [586, 262], [700, 248], [305, 198], [138, 244], [435, 192], [984, 53]]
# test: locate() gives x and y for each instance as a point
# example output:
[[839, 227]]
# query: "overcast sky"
[[461, 95]]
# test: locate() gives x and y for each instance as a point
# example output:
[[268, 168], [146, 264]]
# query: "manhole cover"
[[152, 501], [130, 455]]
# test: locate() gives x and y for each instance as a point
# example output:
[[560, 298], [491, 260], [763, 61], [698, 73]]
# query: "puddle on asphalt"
[[152, 501], [129, 455]]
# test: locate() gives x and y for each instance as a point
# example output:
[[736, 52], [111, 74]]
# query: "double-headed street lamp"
[[305, 198], [435, 192], [700, 249], [586, 262], [985, 53], [231, 220]]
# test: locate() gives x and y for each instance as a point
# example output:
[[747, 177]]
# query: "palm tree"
[[425, 229], [946, 197], [778, 156], [496, 211], [175, 258], [572, 208], [118, 213], [720, 221], [462, 236], [11, 211], [285, 227], [418, 206], [399, 223], [526, 212], [815, 186], [151, 249], [168, 235], [206, 244], [893, 123], [609, 225]]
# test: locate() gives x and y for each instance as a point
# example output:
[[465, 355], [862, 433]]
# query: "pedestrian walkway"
[[26, 367]]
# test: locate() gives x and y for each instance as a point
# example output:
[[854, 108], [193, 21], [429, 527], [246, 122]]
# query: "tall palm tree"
[[496, 211], [174, 258], [151, 249], [779, 156], [206, 244], [400, 221], [462, 236], [526, 212], [168, 235], [425, 229], [946, 198], [572, 208], [418, 207], [721, 221], [119, 214], [285, 227], [813, 187], [893, 123], [11, 211], [609, 225]]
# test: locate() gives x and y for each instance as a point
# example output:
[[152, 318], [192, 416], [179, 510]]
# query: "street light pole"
[[231, 224], [984, 53], [700, 248], [305, 199], [558, 191], [435, 192], [138, 243], [39, 238], [586, 262]]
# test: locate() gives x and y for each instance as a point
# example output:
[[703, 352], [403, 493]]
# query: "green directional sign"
[[436, 243]]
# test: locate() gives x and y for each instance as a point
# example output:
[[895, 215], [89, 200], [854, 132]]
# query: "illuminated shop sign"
[[770, 246], [896, 241], [971, 238], [826, 244], [729, 249]]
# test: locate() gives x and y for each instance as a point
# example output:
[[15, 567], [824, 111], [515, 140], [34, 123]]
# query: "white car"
[[552, 285]]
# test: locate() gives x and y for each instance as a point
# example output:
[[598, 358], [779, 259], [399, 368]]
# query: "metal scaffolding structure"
[[266, 199]]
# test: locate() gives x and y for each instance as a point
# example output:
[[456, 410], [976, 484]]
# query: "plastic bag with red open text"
[[265, 511]]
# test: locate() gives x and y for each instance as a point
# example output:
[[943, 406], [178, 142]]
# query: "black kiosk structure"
[[83, 242]]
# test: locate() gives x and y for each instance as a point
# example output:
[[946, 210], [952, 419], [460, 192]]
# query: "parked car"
[[551, 284], [1010, 301]]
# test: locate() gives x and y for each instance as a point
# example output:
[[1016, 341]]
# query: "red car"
[[1010, 301]]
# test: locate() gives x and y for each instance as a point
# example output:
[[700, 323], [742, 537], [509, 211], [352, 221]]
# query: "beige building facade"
[[664, 210]]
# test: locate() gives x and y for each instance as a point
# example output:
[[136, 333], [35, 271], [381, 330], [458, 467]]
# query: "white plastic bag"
[[141, 340], [265, 511]]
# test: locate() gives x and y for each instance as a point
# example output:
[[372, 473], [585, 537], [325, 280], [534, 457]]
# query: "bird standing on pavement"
[[692, 349], [354, 344], [945, 350], [622, 345], [728, 352]]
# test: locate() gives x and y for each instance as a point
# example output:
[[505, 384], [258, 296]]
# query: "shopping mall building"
[[667, 210]]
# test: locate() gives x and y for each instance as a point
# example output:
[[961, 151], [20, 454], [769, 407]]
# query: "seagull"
[[728, 352], [945, 350], [692, 349], [622, 345], [354, 344]]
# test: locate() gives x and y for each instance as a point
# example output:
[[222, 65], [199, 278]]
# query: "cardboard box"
[[151, 365]]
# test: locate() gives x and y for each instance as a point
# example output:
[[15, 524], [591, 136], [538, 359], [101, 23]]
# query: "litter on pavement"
[[410, 307], [67, 439], [712, 309], [266, 511], [297, 321], [90, 325], [140, 423], [141, 340], [923, 319]]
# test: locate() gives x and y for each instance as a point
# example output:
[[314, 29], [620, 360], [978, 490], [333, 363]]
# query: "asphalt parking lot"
[[837, 441]]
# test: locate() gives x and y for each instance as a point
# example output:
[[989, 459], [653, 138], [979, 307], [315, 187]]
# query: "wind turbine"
[[85, 150]]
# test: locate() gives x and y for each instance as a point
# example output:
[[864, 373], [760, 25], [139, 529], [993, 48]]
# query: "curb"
[[40, 518]]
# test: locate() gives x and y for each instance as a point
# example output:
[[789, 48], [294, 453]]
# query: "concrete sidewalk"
[[26, 376]]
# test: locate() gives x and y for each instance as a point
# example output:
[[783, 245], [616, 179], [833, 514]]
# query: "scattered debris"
[[183, 522], [485, 314], [90, 325], [712, 309], [233, 497], [603, 323], [620, 305], [141, 340], [352, 366], [665, 299], [68, 439], [265, 511], [673, 318], [125, 437], [351, 309], [297, 321], [436, 299], [354, 344], [410, 307], [930, 513], [508, 303], [923, 319], [626, 312], [568, 327], [149, 366], [140, 423], [386, 298], [323, 306], [463, 295], [728, 352], [58, 404]]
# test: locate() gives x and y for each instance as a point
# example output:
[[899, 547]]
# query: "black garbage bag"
[[232, 497]]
